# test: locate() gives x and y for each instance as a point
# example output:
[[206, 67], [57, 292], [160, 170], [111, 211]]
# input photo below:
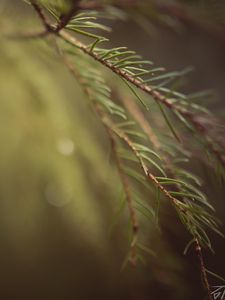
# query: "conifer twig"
[[28, 35]]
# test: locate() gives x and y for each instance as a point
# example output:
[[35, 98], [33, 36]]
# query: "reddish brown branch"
[[125, 183], [41, 15], [28, 35], [203, 269]]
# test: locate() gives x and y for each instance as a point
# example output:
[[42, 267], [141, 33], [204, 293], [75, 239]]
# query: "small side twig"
[[41, 15], [27, 35], [203, 269], [132, 211]]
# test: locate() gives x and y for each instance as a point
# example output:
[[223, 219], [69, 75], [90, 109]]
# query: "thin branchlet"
[[42, 16], [203, 269], [126, 187]]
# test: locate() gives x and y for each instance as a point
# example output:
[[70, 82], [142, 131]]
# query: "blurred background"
[[59, 190]]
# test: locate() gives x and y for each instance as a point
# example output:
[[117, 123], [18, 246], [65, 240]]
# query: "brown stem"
[[147, 89], [28, 35], [125, 183], [41, 15], [203, 269]]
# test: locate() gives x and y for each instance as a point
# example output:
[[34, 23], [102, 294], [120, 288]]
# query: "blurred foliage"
[[45, 141]]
